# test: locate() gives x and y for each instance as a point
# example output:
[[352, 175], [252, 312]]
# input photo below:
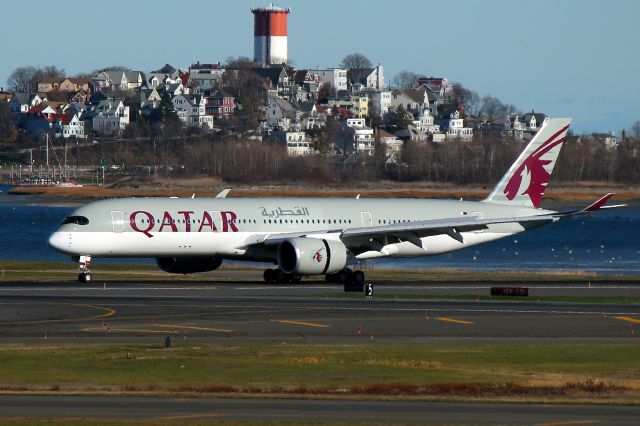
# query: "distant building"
[[367, 77], [297, 143], [354, 136], [110, 117], [336, 77], [205, 77], [220, 104]]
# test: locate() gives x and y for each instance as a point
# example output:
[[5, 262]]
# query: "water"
[[607, 242]]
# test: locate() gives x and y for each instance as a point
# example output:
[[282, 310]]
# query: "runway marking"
[[189, 416], [569, 422], [109, 312], [457, 321], [193, 327], [629, 319], [307, 324], [128, 330]]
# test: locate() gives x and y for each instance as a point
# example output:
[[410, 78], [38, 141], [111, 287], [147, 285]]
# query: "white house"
[[68, 125], [368, 77], [120, 80], [355, 136], [191, 109], [413, 100], [337, 77], [455, 129], [379, 102], [22, 102], [110, 117], [278, 114], [297, 143]]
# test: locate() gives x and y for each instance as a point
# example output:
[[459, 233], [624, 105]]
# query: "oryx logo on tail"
[[525, 182], [535, 167]]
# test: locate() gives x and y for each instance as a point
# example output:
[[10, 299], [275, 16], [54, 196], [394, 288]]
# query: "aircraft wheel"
[[84, 277], [358, 277], [281, 277], [295, 278], [269, 276], [344, 276]]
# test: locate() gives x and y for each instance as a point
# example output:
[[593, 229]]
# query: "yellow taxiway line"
[[306, 324], [193, 327], [128, 330], [629, 319], [569, 422], [457, 321]]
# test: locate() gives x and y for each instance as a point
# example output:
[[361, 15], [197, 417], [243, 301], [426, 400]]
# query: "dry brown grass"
[[384, 190]]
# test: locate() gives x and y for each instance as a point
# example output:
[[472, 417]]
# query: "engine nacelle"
[[188, 265], [311, 256]]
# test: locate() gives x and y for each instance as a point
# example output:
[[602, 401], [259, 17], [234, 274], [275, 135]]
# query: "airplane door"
[[366, 219], [117, 221]]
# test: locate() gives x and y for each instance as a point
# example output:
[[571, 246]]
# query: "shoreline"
[[577, 192]]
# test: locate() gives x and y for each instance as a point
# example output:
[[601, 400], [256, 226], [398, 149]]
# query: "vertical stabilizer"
[[525, 182]]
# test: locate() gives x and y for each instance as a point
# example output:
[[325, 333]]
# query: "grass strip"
[[44, 270], [603, 372]]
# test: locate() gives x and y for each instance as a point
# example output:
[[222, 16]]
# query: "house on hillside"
[[367, 77], [191, 109], [68, 125], [354, 136], [110, 117], [453, 126], [22, 102], [205, 77], [118, 80], [220, 104], [297, 143], [336, 77]]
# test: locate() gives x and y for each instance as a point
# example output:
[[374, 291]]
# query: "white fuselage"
[[232, 228]]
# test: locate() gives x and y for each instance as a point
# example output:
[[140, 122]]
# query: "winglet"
[[598, 204], [223, 193]]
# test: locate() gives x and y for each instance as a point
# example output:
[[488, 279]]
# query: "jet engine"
[[311, 256], [188, 265]]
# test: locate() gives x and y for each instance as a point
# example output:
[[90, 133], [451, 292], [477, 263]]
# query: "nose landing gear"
[[83, 264]]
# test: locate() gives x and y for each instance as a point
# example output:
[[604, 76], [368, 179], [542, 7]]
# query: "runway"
[[316, 313], [305, 410], [204, 312]]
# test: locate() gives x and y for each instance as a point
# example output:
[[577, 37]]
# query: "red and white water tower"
[[270, 35]]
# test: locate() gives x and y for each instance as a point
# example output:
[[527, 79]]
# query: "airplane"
[[307, 236]]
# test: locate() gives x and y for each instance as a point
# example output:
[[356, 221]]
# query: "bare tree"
[[462, 96], [50, 71], [406, 79], [240, 62], [635, 130], [356, 61], [8, 132], [23, 80]]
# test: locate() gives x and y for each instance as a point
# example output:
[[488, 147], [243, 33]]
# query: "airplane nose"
[[59, 241]]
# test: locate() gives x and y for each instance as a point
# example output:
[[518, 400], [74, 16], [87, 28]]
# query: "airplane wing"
[[413, 231]]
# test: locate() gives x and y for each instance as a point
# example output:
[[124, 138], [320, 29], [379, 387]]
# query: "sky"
[[576, 58]]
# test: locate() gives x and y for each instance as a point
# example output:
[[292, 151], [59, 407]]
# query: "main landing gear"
[[354, 281], [278, 276], [85, 274]]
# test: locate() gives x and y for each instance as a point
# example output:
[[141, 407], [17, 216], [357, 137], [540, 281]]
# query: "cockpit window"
[[78, 220]]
